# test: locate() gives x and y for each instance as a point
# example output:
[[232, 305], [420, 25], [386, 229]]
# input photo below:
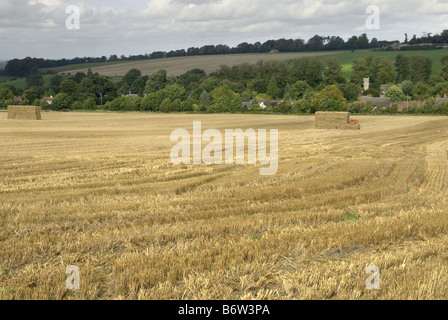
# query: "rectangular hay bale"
[[334, 120], [24, 113]]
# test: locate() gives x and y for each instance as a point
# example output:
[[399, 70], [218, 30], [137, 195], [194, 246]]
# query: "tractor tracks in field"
[[436, 161]]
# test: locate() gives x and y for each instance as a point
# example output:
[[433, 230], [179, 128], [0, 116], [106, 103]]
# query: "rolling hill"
[[179, 65]]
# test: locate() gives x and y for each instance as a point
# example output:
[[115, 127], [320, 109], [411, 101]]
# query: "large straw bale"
[[24, 113], [334, 120]]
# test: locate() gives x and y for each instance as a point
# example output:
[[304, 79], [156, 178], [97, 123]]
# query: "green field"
[[21, 82], [347, 57]]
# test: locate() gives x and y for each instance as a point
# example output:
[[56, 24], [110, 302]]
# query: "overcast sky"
[[37, 28]]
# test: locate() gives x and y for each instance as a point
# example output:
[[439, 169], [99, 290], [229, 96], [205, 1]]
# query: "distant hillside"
[[179, 65]]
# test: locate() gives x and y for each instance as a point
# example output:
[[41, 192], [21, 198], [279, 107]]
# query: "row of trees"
[[381, 71], [305, 85]]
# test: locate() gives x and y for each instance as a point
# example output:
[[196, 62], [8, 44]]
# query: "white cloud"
[[37, 27]]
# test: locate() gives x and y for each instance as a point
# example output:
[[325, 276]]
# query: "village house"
[[440, 100], [404, 105], [131, 95], [48, 100], [251, 103], [377, 102]]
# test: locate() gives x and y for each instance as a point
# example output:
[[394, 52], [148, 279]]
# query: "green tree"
[[31, 94], [361, 70], [151, 102], [328, 99], [302, 106], [230, 102], [97, 86], [135, 104], [89, 104], [441, 89], [225, 100], [407, 87], [56, 80], [350, 91], [395, 93], [333, 71], [384, 73], [246, 95], [77, 105], [403, 67], [204, 100], [210, 83], [421, 68], [314, 71], [120, 104], [8, 102], [288, 94], [175, 91], [187, 105], [138, 86], [444, 70], [79, 76], [192, 78], [131, 76], [166, 105], [307, 69], [5, 94], [35, 81], [421, 90], [299, 88], [177, 105], [284, 107], [157, 81], [49, 93], [62, 101], [273, 90], [69, 87]]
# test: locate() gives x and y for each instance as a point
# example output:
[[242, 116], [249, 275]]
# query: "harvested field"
[[99, 191], [179, 65]]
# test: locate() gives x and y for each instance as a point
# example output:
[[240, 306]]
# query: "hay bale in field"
[[24, 113], [335, 120]]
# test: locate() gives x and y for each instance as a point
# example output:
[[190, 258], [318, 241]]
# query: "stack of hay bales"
[[335, 120], [24, 113]]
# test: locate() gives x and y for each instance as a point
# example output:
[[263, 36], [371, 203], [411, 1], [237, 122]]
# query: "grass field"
[[346, 57], [21, 82], [99, 191]]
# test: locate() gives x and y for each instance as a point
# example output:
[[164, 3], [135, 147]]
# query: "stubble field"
[[98, 191]]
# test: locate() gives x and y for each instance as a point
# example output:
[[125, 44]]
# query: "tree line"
[[303, 86]]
